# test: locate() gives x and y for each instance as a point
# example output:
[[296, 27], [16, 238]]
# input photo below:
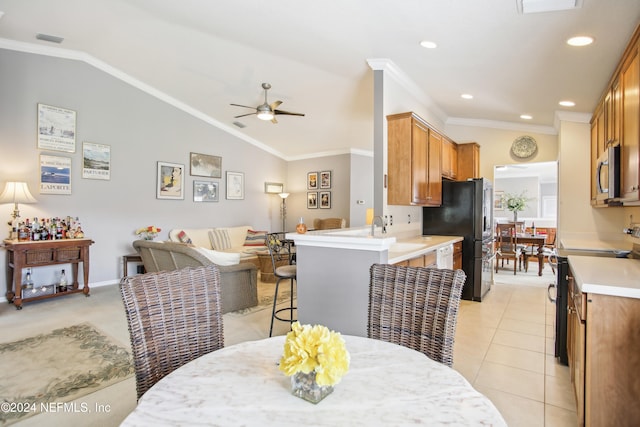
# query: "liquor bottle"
[[533, 228], [44, 231], [28, 281], [62, 286]]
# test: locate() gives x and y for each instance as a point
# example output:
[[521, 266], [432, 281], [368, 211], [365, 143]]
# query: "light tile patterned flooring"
[[504, 347]]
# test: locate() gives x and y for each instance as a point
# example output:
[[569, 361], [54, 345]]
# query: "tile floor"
[[504, 347]]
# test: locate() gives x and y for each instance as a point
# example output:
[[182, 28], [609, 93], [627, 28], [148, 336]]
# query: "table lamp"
[[283, 209], [16, 192]]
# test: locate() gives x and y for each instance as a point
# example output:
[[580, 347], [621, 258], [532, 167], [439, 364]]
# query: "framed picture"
[[55, 175], [96, 161], [235, 185], [205, 191], [325, 200], [325, 179], [170, 184], [56, 128], [205, 165], [273, 187], [312, 181], [498, 204], [312, 200]]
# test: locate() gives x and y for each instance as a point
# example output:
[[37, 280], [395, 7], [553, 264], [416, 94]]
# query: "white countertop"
[[594, 244], [607, 276]]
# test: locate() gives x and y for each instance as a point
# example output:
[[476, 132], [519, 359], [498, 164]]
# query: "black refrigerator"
[[466, 211]]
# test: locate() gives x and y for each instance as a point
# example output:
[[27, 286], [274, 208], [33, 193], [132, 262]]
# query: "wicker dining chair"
[[173, 318], [415, 307]]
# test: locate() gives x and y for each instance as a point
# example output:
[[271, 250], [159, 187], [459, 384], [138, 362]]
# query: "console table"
[[22, 255]]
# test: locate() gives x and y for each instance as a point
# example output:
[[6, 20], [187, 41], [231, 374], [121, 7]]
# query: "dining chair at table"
[[507, 246], [416, 307], [173, 317], [284, 268]]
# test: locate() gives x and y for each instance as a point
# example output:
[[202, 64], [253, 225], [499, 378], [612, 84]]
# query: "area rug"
[[58, 366], [265, 297]]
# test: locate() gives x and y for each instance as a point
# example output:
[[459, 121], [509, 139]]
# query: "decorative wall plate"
[[524, 146]]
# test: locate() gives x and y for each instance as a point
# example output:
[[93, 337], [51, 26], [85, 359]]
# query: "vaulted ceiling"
[[204, 55]]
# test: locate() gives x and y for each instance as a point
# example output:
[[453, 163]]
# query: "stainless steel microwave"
[[608, 174]]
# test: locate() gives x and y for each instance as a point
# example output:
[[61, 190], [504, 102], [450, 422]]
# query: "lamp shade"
[[283, 195], [16, 192]]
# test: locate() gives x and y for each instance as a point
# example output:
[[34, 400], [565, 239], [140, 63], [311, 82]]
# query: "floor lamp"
[[283, 208]]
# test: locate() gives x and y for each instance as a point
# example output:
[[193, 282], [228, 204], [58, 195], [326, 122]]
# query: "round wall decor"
[[524, 146]]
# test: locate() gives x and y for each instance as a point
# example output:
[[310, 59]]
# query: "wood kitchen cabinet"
[[414, 174], [457, 255], [468, 161], [426, 260], [597, 148], [449, 158], [603, 345]]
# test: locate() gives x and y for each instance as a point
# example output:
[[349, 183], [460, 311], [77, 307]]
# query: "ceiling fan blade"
[[275, 105], [274, 121], [245, 106], [244, 115], [287, 113]]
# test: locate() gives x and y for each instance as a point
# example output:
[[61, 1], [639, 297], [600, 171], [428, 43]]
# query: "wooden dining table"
[[386, 384], [534, 240]]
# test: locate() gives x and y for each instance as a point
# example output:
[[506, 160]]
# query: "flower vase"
[[149, 236], [305, 386], [301, 228], [515, 216]]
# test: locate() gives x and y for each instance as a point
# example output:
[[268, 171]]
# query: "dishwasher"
[[444, 257]]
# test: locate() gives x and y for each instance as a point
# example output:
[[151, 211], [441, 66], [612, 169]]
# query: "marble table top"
[[386, 385]]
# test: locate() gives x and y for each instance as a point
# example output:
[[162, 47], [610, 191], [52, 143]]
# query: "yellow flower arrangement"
[[315, 348], [149, 232]]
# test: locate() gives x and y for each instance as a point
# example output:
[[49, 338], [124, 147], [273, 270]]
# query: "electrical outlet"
[[390, 219], [409, 219]]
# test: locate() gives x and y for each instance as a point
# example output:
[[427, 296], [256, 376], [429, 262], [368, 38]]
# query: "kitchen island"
[[333, 271]]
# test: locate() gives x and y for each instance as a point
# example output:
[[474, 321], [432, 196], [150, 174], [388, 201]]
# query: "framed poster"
[[205, 191], [205, 165], [312, 181], [235, 185], [96, 161], [56, 128], [325, 200], [325, 179], [170, 183], [55, 174], [498, 202], [312, 200]]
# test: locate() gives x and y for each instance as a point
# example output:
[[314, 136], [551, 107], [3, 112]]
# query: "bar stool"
[[282, 259]]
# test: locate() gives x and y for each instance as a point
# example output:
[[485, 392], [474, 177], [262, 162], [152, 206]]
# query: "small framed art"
[[273, 187], [170, 183], [55, 175], [205, 191], [325, 179], [235, 186], [56, 128], [312, 200], [206, 165], [312, 181], [325, 200], [96, 161]]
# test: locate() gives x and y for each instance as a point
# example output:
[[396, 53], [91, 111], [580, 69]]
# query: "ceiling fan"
[[267, 111]]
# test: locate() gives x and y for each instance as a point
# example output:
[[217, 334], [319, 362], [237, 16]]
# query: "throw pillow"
[[220, 258], [255, 238], [219, 238], [183, 237]]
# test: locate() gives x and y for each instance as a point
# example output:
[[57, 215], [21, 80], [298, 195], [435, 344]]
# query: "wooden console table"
[[22, 255]]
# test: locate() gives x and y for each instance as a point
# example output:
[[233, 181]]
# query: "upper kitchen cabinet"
[[414, 173], [449, 158], [468, 161], [616, 120]]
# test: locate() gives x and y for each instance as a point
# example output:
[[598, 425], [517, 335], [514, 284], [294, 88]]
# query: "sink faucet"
[[373, 225]]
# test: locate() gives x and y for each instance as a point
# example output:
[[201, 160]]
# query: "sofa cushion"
[[220, 258], [255, 238], [219, 238], [199, 236]]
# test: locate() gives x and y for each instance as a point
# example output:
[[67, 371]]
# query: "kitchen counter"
[[607, 276], [588, 244], [409, 248]]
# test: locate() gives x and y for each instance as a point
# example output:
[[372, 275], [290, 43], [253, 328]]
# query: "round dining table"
[[386, 385]]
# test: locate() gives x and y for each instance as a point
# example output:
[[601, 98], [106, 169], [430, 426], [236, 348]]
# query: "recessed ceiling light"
[[467, 96], [526, 117], [427, 44], [580, 41], [567, 103], [536, 6]]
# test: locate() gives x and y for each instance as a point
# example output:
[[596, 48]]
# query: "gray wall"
[[141, 131]]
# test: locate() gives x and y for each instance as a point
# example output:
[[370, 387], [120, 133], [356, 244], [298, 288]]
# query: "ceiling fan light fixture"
[[265, 115]]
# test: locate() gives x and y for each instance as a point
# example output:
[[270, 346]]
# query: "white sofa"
[[243, 240]]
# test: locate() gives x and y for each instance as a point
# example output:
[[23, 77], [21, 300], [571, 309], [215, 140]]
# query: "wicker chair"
[[173, 317], [329, 223], [415, 307], [281, 252]]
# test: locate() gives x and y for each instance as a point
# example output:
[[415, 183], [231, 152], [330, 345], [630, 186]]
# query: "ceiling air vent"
[[49, 38], [240, 125], [535, 6]]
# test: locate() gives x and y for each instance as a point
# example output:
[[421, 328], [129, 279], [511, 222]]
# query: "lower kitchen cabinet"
[[457, 256], [426, 260], [603, 344]]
